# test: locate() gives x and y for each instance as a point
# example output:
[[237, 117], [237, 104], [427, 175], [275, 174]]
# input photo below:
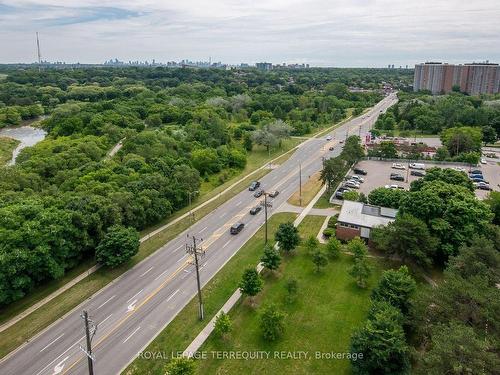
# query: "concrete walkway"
[[320, 236], [208, 329]]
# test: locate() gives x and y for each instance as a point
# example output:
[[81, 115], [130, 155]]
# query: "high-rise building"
[[474, 78]]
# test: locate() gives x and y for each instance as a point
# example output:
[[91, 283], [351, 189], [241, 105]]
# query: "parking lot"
[[380, 171]]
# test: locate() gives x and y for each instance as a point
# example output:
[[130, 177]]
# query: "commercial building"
[[474, 78], [356, 219]]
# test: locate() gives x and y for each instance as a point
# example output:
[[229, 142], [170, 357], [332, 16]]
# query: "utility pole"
[[300, 184], [90, 330], [265, 204], [196, 252]]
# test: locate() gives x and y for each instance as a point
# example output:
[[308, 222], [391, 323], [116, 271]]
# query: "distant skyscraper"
[[264, 66], [475, 78]]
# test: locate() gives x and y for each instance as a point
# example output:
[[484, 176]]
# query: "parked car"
[[483, 161], [482, 185], [460, 169], [352, 184], [418, 173], [258, 193], [339, 194], [356, 178], [474, 171], [274, 193], [254, 186], [479, 179], [360, 171], [236, 228], [396, 177], [255, 210], [417, 165], [393, 186], [476, 175], [398, 166]]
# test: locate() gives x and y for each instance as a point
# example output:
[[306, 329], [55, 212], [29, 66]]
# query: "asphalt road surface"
[[133, 309]]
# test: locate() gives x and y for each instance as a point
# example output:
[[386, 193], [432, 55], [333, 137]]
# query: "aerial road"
[[133, 309]]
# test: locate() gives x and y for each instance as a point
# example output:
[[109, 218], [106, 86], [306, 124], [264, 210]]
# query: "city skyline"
[[319, 33]]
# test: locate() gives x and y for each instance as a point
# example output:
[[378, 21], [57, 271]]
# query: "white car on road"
[[329, 138], [483, 161]]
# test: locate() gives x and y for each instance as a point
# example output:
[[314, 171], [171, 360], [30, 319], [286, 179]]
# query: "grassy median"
[[309, 190]]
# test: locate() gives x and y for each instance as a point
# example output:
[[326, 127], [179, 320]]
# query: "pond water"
[[27, 135]]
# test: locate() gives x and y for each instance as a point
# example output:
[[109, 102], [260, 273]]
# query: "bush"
[[328, 232], [332, 222], [272, 323]]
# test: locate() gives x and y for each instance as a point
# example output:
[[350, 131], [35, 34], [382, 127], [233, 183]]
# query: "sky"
[[341, 33]]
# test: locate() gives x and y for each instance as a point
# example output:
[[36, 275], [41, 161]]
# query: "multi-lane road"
[[133, 309]]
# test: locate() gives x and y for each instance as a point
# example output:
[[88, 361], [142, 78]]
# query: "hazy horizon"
[[338, 33]]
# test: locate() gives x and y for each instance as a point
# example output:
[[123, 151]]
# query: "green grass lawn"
[[186, 326], [324, 201], [7, 145], [328, 308]]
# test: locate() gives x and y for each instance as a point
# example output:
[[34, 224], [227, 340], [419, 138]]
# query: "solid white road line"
[[172, 295], [105, 302], [50, 343], [138, 328], [135, 295], [146, 271]]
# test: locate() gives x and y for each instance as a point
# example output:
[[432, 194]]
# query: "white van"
[[417, 165]]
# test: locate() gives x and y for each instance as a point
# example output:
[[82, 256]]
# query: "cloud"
[[321, 32]]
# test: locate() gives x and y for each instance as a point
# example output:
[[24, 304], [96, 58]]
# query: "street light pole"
[[191, 215], [300, 184]]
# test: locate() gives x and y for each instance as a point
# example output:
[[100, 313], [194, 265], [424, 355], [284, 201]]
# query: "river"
[[27, 136]]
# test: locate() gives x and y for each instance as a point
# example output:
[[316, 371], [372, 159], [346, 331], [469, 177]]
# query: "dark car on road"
[[254, 186], [331, 148], [236, 228], [258, 193], [274, 193], [417, 173], [397, 177], [360, 171], [255, 210]]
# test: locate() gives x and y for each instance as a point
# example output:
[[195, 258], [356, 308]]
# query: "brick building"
[[356, 219]]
